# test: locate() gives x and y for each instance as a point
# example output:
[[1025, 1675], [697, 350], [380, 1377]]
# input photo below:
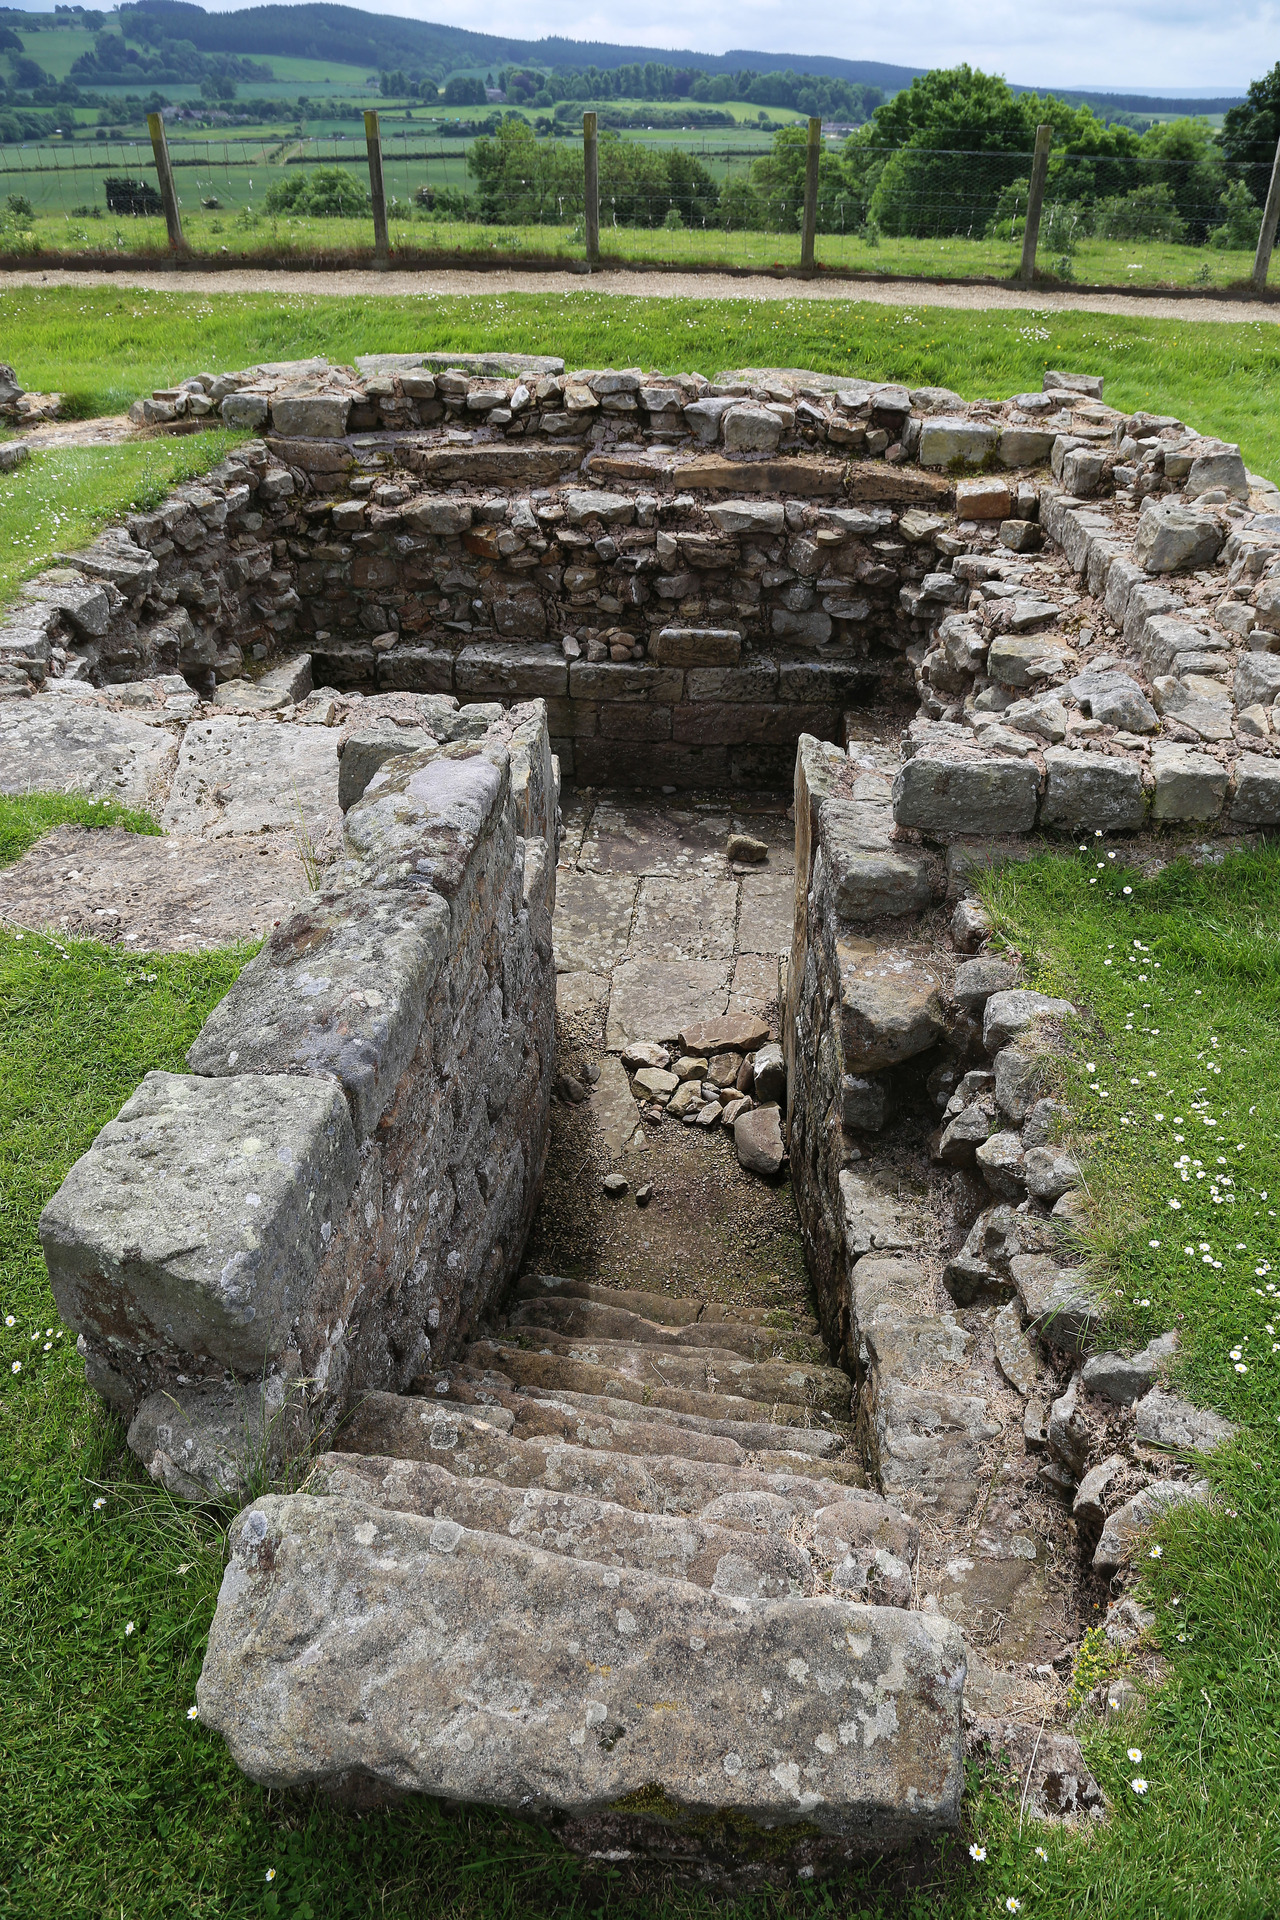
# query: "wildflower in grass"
[[1176, 1205], [1153, 1243], [16, 1367], [976, 1852], [128, 1628], [1135, 1754], [1155, 1553], [100, 1503], [1241, 1367], [9, 1320], [1041, 1854], [193, 1713], [1013, 1905], [271, 1874], [1139, 1786]]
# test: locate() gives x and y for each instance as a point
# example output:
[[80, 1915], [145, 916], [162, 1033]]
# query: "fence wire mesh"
[[1184, 218]]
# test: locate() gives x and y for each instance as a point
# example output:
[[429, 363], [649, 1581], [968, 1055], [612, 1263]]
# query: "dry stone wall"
[[345, 1179]]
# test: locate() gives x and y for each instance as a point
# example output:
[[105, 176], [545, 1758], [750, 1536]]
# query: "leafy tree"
[[778, 178], [317, 191], [1183, 155], [1250, 131], [464, 90], [1145, 213], [961, 137], [1241, 220]]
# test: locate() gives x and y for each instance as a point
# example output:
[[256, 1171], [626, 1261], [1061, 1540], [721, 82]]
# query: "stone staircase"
[[616, 1567]]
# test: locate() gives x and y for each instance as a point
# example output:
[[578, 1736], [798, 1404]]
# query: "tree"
[[1250, 131], [1184, 156], [464, 90], [317, 191], [960, 137], [778, 179]]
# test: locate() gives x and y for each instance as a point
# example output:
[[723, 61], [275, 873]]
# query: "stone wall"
[[343, 1182], [693, 573]]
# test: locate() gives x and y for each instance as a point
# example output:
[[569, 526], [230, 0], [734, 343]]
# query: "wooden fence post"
[[168, 192], [1267, 234], [1035, 205], [377, 191], [813, 153], [591, 188]]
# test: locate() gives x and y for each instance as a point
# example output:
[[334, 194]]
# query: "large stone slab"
[[766, 913], [57, 743], [658, 999], [870, 873], [197, 1219], [418, 1655], [238, 776], [159, 895], [646, 839], [593, 916], [690, 918], [342, 988], [930, 1446]]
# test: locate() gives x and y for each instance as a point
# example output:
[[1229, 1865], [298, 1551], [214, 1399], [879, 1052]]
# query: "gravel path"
[[689, 286]]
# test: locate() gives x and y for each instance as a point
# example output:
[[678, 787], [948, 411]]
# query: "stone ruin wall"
[[344, 1181], [694, 577]]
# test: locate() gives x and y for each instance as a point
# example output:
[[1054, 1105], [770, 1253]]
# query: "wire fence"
[[1184, 218]]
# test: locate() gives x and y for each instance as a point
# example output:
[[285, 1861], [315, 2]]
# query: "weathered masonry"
[[734, 1588]]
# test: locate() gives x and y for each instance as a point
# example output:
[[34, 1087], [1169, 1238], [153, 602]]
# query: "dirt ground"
[[429, 285]]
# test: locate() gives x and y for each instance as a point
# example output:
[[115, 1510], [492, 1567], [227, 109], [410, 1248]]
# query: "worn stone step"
[[824, 1389], [764, 1566], [609, 1432], [555, 1374], [756, 1436], [594, 1320], [668, 1310], [409, 1428], [356, 1645]]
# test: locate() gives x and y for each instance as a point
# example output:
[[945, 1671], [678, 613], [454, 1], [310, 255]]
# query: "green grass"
[[109, 344], [1178, 977], [56, 501]]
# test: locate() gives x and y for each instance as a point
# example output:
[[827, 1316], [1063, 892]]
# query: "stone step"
[[415, 1429], [666, 1309], [555, 1375], [823, 1389], [763, 1566], [610, 1432], [384, 1651], [594, 1320], [753, 1436]]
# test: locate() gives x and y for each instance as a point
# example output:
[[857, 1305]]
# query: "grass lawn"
[[240, 184], [105, 345], [116, 1803]]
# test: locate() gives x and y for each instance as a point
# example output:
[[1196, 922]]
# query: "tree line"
[[948, 156]]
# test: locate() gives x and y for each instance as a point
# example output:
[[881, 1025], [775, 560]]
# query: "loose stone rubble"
[[729, 1587]]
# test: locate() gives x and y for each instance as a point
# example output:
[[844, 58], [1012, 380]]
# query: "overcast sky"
[[1126, 46]]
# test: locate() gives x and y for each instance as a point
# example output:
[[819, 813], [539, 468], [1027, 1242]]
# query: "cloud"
[[1130, 46]]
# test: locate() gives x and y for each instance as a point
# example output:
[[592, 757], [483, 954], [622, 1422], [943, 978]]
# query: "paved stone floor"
[[655, 927]]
